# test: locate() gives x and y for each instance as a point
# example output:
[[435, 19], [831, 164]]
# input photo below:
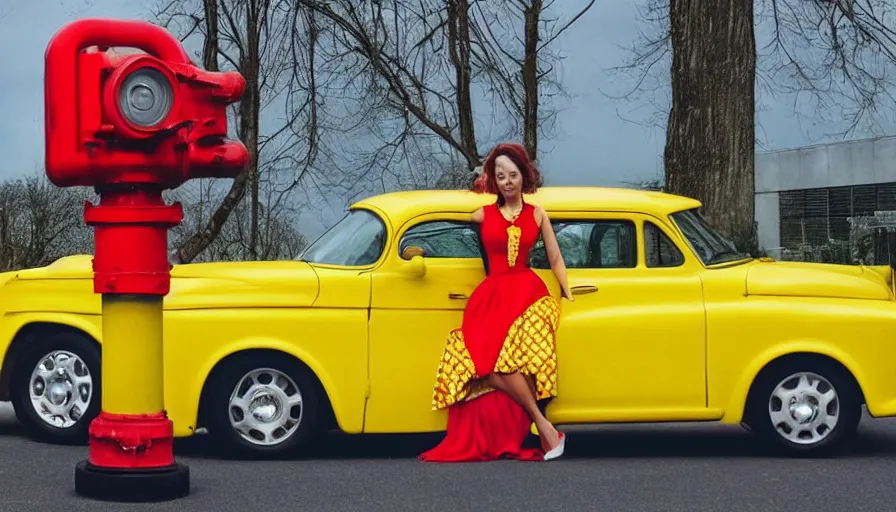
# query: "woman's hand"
[[567, 294]]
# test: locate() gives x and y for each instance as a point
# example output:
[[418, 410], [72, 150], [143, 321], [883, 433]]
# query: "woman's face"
[[508, 177]]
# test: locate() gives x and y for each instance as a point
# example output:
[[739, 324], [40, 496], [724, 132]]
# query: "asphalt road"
[[666, 468]]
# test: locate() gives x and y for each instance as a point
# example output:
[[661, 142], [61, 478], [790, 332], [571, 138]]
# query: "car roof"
[[418, 202]]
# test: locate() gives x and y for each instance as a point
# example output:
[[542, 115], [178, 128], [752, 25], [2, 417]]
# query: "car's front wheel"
[[263, 406], [55, 387], [806, 409]]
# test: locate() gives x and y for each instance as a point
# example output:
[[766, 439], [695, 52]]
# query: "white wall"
[[768, 227], [860, 162]]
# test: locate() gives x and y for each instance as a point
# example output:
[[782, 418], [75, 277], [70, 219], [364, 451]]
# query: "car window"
[[356, 240], [591, 244], [659, 249], [442, 239], [709, 244]]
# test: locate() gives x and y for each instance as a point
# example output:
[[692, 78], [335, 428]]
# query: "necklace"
[[513, 236], [513, 215]]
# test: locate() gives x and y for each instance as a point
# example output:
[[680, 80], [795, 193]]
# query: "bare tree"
[[270, 42], [40, 222], [404, 77], [454, 178], [512, 48], [655, 184], [416, 68], [278, 236], [841, 52], [837, 53], [411, 84]]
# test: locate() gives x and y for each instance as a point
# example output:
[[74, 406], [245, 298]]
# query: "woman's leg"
[[522, 390]]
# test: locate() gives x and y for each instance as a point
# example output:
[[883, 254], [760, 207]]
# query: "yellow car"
[[670, 323]]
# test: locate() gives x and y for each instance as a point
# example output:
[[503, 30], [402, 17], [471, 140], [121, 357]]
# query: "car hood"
[[252, 284], [238, 284], [799, 279]]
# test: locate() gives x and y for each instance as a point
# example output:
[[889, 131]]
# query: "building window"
[[818, 216]]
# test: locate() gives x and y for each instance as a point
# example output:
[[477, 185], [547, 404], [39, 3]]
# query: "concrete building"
[[804, 196]]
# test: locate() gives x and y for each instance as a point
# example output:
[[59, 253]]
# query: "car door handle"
[[457, 296], [581, 290]]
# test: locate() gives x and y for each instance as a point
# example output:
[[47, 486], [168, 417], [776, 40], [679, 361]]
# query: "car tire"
[[64, 358], [264, 384], [806, 408]]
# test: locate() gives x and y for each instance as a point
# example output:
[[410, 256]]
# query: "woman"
[[501, 362]]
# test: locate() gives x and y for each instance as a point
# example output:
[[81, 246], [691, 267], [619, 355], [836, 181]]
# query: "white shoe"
[[557, 451]]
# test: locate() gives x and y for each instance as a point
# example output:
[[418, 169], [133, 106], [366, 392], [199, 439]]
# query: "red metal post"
[[94, 137]]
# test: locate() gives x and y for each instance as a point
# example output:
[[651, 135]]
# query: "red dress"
[[509, 326]]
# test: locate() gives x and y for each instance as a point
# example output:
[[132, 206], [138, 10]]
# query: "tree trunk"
[[530, 78], [710, 137], [250, 111], [459, 48], [249, 108], [210, 46]]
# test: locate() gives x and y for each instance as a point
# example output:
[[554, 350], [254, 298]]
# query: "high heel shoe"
[[556, 451]]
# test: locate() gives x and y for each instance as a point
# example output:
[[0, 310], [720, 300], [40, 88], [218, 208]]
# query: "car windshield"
[[709, 244], [358, 239]]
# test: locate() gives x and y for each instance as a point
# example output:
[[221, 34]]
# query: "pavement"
[[668, 468]]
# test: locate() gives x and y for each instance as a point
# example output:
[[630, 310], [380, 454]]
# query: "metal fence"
[[848, 224], [865, 239]]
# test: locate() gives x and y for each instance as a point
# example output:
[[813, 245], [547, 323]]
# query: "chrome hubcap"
[[265, 407], [60, 388], [804, 408]]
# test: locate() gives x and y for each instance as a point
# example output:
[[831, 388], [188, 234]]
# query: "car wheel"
[[55, 388], [806, 411], [264, 406]]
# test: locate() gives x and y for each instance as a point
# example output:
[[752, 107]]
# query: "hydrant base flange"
[[150, 485]]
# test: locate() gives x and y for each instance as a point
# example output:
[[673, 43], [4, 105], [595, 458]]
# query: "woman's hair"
[[488, 184]]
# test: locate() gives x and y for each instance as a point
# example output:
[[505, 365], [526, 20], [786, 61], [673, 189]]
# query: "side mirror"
[[415, 266]]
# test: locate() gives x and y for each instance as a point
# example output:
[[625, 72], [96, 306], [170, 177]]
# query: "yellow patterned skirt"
[[529, 348]]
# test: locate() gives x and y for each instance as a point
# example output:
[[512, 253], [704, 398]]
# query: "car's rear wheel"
[[55, 387], [264, 406], [805, 408]]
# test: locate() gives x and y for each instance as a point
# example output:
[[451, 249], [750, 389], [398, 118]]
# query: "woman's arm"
[[476, 224], [553, 251], [478, 216]]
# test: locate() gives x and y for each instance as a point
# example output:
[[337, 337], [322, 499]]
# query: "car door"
[[411, 316], [631, 347]]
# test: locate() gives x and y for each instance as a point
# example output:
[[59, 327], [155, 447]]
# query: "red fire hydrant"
[[132, 126]]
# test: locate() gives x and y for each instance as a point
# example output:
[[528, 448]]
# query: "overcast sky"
[[595, 146]]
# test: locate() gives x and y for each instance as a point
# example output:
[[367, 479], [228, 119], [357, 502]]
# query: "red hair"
[[487, 183]]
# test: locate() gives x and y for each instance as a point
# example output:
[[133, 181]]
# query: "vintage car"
[[670, 323]]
